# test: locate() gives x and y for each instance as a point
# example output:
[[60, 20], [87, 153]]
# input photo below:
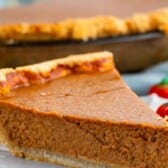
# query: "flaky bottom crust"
[[60, 159]]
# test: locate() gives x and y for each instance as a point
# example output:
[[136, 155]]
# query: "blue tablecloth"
[[140, 82]]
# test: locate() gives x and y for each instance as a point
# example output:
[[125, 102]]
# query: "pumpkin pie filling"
[[81, 119]]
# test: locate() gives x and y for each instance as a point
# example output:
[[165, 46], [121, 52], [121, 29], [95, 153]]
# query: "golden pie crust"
[[86, 28], [40, 73]]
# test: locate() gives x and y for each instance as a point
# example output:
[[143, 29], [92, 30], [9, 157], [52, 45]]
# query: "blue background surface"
[[140, 82]]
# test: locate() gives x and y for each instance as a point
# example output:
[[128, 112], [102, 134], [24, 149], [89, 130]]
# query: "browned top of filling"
[[99, 97]]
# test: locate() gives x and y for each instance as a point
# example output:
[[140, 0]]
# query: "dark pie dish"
[[137, 42]]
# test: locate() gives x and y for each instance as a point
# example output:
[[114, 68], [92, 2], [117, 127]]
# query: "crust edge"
[[85, 28], [42, 72], [60, 159]]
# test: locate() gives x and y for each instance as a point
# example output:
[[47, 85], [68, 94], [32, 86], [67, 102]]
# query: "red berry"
[[163, 110], [161, 90]]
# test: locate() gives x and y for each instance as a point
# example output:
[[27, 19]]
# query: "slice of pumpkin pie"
[[77, 112]]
